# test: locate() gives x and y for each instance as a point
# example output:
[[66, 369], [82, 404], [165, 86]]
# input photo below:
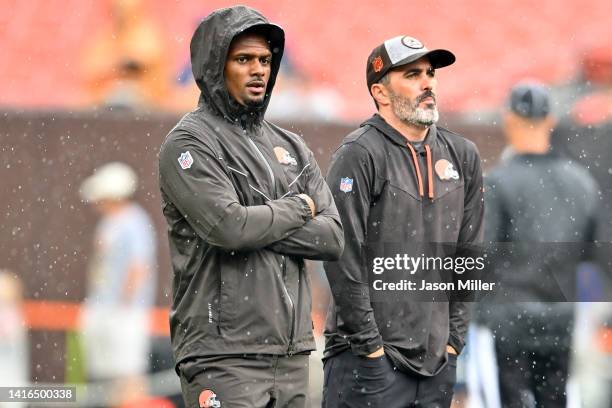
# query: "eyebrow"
[[418, 70], [250, 54]]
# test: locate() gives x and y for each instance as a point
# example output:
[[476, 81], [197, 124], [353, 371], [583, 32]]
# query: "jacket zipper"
[[290, 350], [271, 173], [219, 294]]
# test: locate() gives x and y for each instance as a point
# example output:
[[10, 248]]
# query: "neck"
[[531, 144], [412, 133], [113, 207]]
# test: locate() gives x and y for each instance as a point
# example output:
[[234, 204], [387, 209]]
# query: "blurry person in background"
[[399, 180], [533, 197], [246, 205], [126, 63], [121, 283], [14, 354], [586, 137]]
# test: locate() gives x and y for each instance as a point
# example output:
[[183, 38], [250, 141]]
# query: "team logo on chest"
[[284, 157], [185, 160], [208, 399], [445, 170]]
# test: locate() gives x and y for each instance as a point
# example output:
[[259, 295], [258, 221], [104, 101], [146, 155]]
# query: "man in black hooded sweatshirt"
[[403, 186], [245, 203]]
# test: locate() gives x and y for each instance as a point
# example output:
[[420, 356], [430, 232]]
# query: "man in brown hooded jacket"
[[245, 203]]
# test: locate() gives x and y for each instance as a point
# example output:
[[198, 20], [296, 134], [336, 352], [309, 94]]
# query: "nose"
[[257, 68], [428, 83]]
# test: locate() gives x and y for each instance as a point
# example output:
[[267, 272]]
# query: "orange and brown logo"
[[208, 399], [284, 157], [445, 170], [377, 64]]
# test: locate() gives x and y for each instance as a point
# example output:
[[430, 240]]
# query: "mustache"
[[425, 95], [256, 82]]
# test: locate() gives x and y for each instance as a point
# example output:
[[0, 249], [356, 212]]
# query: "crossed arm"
[[205, 195]]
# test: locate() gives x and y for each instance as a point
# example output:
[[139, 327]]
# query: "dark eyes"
[[414, 74], [262, 61]]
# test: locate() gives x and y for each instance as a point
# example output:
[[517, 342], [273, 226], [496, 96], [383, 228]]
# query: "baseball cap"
[[112, 181], [399, 51], [530, 100]]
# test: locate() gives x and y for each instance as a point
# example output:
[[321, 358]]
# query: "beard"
[[411, 113], [255, 102]]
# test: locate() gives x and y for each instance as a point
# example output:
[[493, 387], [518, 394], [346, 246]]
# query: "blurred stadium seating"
[[496, 43]]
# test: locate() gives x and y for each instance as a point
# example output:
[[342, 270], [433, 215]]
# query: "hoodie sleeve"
[[348, 277], [205, 195], [472, 228], [495, 229], [321, 238]]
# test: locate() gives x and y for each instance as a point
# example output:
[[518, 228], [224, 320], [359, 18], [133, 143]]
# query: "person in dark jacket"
[[400, 182], [546, 206], [245, 204]]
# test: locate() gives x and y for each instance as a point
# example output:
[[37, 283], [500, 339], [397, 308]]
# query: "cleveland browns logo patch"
[[445, 170], [208, 399], [284, 157], [377, 64]]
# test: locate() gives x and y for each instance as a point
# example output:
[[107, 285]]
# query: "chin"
[[255, 102]]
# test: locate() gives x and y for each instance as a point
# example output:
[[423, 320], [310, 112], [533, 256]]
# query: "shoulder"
[[288, 136], [578, 175], [357, 152], [499, 174], [359, 142], [363, 142], [461, 144], [193, 130], [366, 137]]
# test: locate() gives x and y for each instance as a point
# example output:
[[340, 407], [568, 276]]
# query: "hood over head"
[[209, 47]]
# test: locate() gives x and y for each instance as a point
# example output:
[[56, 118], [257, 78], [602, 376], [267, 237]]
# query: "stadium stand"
[[496, 43]]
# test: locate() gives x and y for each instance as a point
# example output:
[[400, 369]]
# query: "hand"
[[310, 203], [378, 353], [450, 349]]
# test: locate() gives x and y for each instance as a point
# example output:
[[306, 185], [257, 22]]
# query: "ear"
[[380, 93]]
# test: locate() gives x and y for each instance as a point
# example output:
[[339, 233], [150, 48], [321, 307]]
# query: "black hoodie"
[[393, 199], [238, 234]]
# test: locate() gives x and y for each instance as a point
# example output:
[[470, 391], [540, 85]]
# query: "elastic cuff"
[[305, 207], [365, 349]]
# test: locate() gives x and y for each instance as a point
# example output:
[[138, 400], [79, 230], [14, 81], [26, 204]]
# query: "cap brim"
[[437, 58]]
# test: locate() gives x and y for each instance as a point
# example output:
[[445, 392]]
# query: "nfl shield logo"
[[346, 184], [185, 160]]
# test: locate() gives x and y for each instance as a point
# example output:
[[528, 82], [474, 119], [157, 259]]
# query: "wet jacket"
[[548, 206], [396, 196], [238, 234]]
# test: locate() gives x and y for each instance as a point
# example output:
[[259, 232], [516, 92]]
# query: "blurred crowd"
[[126, 67]]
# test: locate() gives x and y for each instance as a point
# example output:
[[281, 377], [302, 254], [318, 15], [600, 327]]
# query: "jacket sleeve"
[[321, 238], [207, 198], [471, 233], [495, 229], [348, 277]]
